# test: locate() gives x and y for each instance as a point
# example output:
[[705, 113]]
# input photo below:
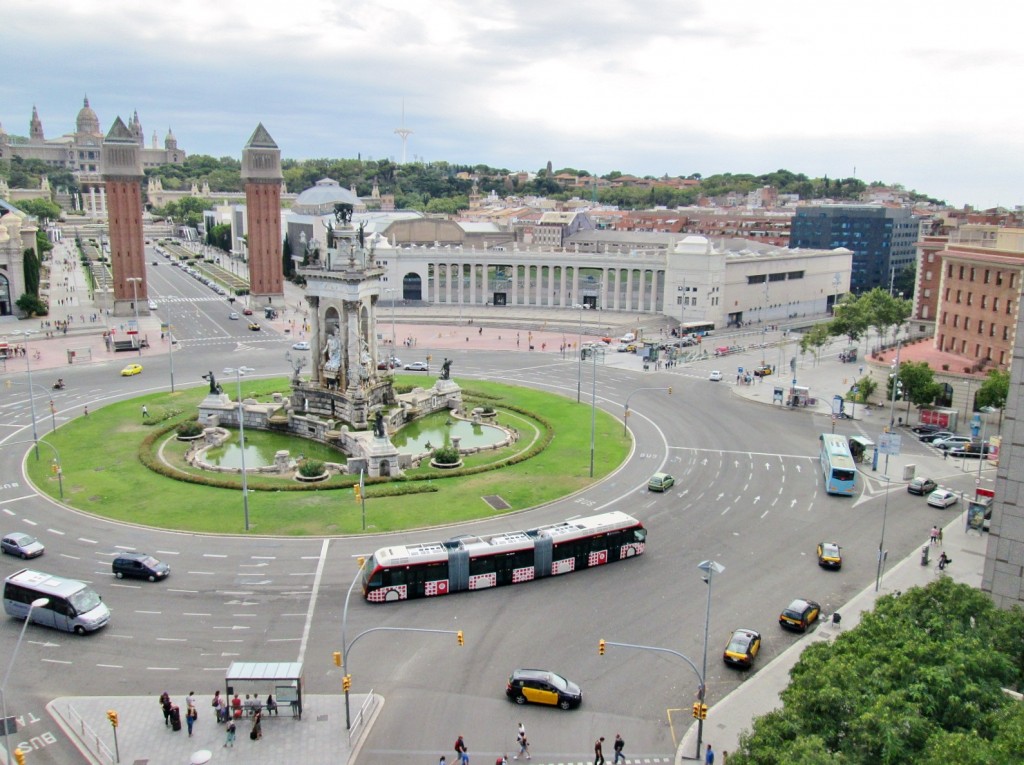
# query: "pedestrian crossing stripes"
[[183, 299]]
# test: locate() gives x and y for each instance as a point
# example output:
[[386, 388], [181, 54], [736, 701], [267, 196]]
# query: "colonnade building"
[[689, 278]]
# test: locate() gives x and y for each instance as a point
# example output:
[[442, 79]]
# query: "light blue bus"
[[73, 606], [837, 465]]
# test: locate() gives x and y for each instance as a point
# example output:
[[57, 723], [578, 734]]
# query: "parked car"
[[930, 437], [951, 442], [830, 555], [742, 648], [799, 615], [925, 429], [539, 686], [25, 546], [661, 482], [922, 486], [417, 366], [971, 451], [942, 498], [139, 566]]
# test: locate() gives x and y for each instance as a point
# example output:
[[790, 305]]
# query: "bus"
[[463, 563], [73, 606], [837, 465]]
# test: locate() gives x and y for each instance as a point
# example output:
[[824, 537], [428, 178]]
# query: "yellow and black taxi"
[[254, 326], [661, 482], [799, 615], [539, 686], [742, 649], [830, 555]]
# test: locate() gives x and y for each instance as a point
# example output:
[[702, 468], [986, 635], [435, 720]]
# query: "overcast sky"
[[925, 94]]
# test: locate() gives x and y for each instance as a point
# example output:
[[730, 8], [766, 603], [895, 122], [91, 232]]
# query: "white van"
[[72, 606], [627, 338]]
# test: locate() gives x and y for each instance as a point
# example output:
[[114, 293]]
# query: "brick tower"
[[121, 168], [261, 173]]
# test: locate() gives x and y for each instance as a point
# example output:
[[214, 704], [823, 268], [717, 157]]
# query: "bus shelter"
[[283, 679]]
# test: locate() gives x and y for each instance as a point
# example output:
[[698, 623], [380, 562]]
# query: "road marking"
[[154, 613], [233, 627], [168, 552], [252, 565], [228, 641], [55, 661], [162, 669], [312, 601], [214, 555], [757, 499], [172, 640], [88, 541], [195, 613], [263, 557], [128, 586], [30, 523], [764, 513], [727, 509], [123, 547], [235, 592], [284, 640], [111, 666], [183, 592], [54, 531], [203, 573]]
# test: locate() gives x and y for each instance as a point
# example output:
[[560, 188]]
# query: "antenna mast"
[[403, 132]]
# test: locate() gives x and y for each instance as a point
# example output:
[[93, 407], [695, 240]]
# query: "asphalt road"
[[748, 495]]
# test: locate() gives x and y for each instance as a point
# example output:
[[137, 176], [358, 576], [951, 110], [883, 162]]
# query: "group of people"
[[462, 752], [225, 711]]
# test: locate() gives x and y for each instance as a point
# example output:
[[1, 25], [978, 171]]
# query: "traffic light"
[[700, 711], [337, 658], [346, 683], [358, 491], [19, 757], [112, 716], [460, 638], [600, 647]]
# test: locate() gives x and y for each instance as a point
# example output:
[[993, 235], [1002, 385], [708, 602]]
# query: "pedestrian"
[[85, 410], [599, 751], [190, 718], [944, 561], [940, 537], [619, 744], [165, 705], [709, 756], [257, 726], [502, 760], [524, 744], [442, 761], [190, 700], [145, 412], [945, 454], [461, 750], [934, 535], [230, 741]]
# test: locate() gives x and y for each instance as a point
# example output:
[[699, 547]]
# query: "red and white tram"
[[475, 563]]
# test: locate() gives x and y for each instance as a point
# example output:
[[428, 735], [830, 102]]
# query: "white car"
[[152, 305], [301, 346], [715, 376], [942, 498]]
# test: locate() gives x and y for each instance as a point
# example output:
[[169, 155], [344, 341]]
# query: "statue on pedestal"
[[446, 367], [215, 389], [378, 425]]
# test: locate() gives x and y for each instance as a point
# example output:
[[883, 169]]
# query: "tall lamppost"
[[892, 403], [31, 393], [170, 344], [135, 301], [239, 372], [593, 410], [710, 568], [394, 339], [581, 307], [38, 603]]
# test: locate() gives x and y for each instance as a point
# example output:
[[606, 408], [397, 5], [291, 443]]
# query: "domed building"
[[79, 152]]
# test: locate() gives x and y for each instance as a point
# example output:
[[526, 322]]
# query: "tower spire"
[[403, 132]]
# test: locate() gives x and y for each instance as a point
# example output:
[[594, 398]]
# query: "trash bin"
[[924, 555]]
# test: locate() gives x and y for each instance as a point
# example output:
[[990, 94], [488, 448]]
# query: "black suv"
[[542, 687], [139, 566]]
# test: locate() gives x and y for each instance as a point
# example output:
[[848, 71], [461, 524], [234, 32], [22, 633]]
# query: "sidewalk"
[[319, 737]]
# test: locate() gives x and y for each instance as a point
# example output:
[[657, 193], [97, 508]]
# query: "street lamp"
[[892, 403], [31, 396], [239, 372], [625, 414], [579, 353], [710, 568], [135, 301], [170, 343], [38, 603], [593, 410], [394, 339]]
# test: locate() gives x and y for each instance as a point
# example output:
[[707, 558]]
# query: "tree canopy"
[[919, 680]]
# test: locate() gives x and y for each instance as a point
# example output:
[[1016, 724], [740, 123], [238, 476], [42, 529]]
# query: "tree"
[[43, 209], [850, 319], [30, 269], [866, 388], [815, 340], [919, 386], [994, 391]]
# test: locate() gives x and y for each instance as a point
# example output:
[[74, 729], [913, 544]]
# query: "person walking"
[[940, 537], [257, 726], [461, 750], [709, 756], [230, 741], [524, 745], [935, 535], [617, 747], [145, 412], [190, 718], [599, 751]]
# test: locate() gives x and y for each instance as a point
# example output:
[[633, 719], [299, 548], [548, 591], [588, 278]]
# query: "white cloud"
[[917, 93]]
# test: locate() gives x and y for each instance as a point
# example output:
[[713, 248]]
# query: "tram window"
[[482, 565]]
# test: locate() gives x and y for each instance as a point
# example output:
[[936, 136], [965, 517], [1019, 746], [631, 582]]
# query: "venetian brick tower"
[[261, 173], [121, 167]]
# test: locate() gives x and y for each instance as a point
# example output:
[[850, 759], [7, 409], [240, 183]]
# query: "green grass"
[[104, 472]]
